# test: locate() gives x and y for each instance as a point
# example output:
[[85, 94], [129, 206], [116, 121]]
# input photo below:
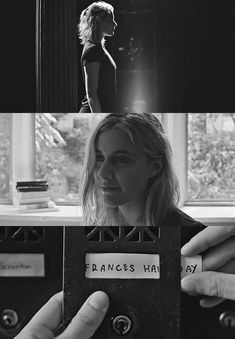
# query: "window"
[[51, 146], [5, 143], [60, 139], [211, 156]]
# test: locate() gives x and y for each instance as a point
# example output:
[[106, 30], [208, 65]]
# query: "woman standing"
[[98, 67]]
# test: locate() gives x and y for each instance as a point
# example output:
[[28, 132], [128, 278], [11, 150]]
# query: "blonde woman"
[[128, 177], [98, 67]]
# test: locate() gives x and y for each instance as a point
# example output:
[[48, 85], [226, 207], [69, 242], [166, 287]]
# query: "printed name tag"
[[122, 266], [22, 265]]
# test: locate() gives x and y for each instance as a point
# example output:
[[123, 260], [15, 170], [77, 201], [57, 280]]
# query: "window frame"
[[22, 149]]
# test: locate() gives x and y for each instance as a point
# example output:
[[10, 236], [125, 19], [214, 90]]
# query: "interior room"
[[171, 56]]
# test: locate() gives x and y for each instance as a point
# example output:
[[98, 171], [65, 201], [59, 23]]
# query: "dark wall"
[[17, 56], [195, 56]]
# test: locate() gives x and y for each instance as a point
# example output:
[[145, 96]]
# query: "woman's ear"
[[156, 167]]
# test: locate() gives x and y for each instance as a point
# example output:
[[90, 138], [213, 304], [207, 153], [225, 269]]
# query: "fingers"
[[45, 321], [209, 237], [35, 332], [88, 319], [208, 302], [218, 256], [214, 284]]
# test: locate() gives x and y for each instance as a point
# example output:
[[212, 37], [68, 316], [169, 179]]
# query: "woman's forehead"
[[113, 140]]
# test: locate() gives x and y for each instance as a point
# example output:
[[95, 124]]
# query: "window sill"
[[66, 216], [212, 215], [72, 216]]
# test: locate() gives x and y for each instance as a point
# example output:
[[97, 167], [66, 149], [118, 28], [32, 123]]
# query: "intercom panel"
[[139, 269]]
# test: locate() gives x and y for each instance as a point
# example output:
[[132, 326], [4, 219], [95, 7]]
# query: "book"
[[44, 204], [37, 210], [32, 188], [29, 195], [49, 206], [31, 200], [31, 183], [35, 200]]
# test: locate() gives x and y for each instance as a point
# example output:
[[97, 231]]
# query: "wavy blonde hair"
[[90, 19], [162, 193]]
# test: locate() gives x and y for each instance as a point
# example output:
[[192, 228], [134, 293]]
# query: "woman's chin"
[[110, 201]]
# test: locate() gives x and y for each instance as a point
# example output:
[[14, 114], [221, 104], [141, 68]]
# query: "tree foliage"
[[211, 155]]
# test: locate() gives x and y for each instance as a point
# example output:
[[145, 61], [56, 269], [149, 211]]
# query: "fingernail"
[[184, 249], [189, 287], [99, 300]]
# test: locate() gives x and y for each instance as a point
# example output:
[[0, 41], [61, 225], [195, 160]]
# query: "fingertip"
[[185, 250], [210, 301], [99, 300], [188, 286]]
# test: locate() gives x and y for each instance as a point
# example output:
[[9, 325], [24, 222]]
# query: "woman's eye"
[[121, 160], [99, 158]]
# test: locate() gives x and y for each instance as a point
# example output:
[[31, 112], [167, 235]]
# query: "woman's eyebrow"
[[125, 152], [118, 152]]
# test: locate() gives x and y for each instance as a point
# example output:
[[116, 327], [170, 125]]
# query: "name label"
[[22, 265], [122, 266], [133, 266], [191, 265]]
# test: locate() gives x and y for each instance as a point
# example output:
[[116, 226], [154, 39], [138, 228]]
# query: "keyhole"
[[121, 324]]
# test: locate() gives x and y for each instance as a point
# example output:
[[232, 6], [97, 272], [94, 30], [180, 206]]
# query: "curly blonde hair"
[[162, 191], [90, 19]]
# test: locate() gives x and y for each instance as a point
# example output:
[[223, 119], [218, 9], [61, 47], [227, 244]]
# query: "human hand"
[[47, 320], [216, 244]]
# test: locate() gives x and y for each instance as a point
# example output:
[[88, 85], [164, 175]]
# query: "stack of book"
[[32, 196]]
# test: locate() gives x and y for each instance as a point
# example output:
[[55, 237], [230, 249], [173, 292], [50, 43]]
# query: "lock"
[[121, 324], [227, 320], [9, 318]]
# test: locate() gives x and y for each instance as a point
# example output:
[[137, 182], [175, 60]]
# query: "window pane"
[[60, 142], [211, 156], [5, 137]]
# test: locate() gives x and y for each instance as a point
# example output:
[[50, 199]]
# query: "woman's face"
[[108, 25], [122, 170]]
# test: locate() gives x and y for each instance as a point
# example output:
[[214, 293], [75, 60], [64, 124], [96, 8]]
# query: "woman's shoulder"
[[189, 226], [91, 49], [176, 217]]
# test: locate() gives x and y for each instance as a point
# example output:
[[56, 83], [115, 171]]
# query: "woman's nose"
[[105, 171]]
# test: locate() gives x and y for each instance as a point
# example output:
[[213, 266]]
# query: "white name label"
[[191, 265], [22, 265], [134, 266], [122, 266]]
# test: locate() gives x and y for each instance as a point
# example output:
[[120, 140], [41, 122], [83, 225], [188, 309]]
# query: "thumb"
[[214, 284], [35, 331]]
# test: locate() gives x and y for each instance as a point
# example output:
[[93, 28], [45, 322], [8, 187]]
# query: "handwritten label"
[[133, 266], [22, 265], [122, 266], [191, 265]]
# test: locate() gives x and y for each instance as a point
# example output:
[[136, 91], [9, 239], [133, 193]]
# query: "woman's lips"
[[109, 189]]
